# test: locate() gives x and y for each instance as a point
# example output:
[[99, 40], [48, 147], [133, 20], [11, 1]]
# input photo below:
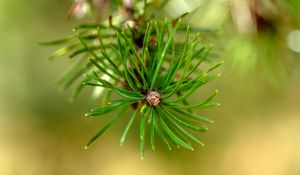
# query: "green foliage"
[[147, 68], [140, 73]]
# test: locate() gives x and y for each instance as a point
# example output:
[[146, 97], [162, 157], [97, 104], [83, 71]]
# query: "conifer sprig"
[[149, 83], [147, 69]]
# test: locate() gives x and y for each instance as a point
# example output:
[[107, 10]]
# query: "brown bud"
[[153, 98]]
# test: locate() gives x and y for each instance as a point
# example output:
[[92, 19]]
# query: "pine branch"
[[146, 67]]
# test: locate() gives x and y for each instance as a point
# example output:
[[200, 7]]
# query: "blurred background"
[[256, 130]]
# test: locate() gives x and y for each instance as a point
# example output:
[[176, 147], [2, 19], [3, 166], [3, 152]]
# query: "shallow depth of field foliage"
[[254, 130], [139, 56]]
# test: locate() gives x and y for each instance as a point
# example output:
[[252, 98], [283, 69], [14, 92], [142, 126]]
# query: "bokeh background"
[[256, 130]]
